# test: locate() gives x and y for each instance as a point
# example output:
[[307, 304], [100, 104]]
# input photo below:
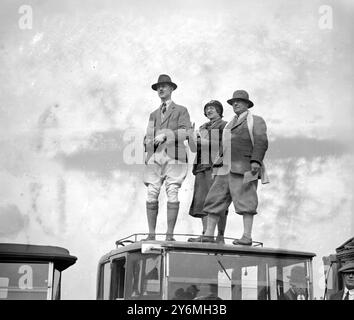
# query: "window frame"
[[282, 261], [101, 280], [113, 261], [142, 258]]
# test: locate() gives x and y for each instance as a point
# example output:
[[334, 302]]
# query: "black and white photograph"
[[176, 150]]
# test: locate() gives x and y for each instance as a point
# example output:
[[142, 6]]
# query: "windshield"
[[237, 277], [144, 273]]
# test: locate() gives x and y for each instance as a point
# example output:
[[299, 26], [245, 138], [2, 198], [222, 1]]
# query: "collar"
[[242, 115], [211, 122], [351, 292], [168, 103]]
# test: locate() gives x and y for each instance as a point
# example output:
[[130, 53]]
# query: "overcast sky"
[[73, 84]]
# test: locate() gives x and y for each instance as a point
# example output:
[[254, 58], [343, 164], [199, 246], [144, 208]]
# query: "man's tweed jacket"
[[175, 125]]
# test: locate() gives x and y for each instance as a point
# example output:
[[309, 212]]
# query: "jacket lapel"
[[238, 123], [216, 124], [168, 112], [158, 118]]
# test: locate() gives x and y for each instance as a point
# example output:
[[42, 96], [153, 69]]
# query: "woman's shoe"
[[198, 239], [202, 239], [244, 241], [208, 239], [149, 237]]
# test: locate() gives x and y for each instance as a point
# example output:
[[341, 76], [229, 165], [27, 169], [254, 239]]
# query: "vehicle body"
[[168, 270], [332, 263], [32, 272]]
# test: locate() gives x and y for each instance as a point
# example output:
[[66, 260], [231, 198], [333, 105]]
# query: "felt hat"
[[347, 267], [164, 79], [240, 95], [192, 288], [297, 274]]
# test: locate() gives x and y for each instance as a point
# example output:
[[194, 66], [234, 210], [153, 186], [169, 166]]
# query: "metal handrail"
[[135, 238]]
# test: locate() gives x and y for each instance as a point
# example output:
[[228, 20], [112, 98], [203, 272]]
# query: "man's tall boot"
[[221, 228], [172, 213], [152, 209]]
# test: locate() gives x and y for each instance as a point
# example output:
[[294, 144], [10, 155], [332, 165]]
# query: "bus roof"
[[132, 246], [28, 252]]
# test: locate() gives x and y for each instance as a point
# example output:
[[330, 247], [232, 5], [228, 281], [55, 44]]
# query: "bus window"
[[24, 281], [224, 284], [144, 276], [296, 282], [236, 277], [151, 281], [274, 284], [56, 284], [118, 278], [105, 278], [249, 283]]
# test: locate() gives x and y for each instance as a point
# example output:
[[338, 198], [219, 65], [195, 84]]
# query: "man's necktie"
[[163, 109], [346, 296]]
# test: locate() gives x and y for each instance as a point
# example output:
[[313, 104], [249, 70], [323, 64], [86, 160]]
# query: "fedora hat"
[[164, 79], [297, 274], [192, 287], [347, 267], [240, 95]]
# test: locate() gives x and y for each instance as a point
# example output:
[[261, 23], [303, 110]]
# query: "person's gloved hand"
[[255, 167], [159, 139]]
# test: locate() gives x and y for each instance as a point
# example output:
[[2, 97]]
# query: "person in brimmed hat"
[[192, 292], [245, 143], [208, 145], [166, 155], [347, 293], [298, 285]]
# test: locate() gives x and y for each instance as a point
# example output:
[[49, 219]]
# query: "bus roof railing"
[[136, 237]]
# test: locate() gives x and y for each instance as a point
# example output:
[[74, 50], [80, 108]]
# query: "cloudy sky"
[[74, 83]]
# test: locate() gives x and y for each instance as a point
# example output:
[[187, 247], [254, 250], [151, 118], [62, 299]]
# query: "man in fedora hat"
[[166, 159], [298, 285], [347, 293], [245, 143], [192, 292]]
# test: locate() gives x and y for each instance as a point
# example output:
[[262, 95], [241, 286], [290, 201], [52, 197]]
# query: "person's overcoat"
[[238, 148], [337, 296], [243, 152]]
